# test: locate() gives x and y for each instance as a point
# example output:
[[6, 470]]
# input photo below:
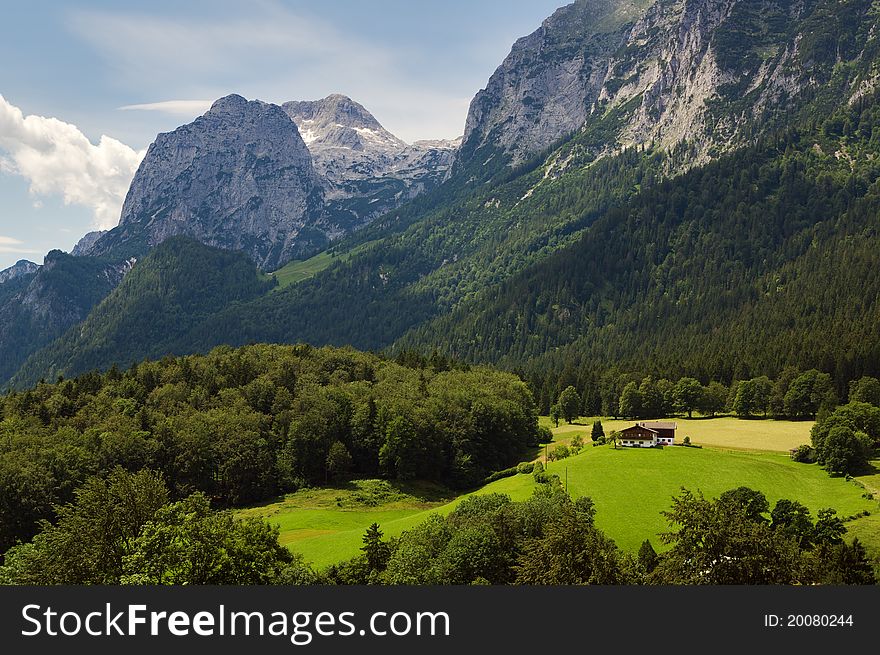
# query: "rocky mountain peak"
[[239, 177], [337, 121], [19, 269]]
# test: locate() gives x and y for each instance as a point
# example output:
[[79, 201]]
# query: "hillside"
[[697, 238]]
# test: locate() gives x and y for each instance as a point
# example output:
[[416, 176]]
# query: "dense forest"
[[243, 425], [758, 261]]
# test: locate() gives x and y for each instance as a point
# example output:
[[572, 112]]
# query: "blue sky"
[[414, 65]]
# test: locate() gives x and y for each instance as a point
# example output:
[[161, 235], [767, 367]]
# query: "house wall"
[[637, 443]]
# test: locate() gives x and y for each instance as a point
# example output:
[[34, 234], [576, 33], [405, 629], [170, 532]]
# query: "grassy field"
[[723, 432], [630, 487], [296, 271]]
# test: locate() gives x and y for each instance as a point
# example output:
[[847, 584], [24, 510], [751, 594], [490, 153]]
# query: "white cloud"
[[57, 158], [8, 244], [176, 107]]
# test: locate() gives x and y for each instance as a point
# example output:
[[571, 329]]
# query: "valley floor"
[[629, 486]]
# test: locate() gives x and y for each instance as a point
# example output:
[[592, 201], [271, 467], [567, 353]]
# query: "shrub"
[[804, 454], [504, 473], [525, 467], [686, 441], [546, 478], [545, 434], [560, 452]]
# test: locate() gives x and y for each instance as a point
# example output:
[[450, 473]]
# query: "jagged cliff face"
[[240, 178], [657, 73], [19, 269], [244, 177], [363, 167], [546, 87]]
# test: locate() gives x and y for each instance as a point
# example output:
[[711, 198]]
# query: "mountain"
[[356, 156], [548, 85], [19, 269], [85, 244], [37, 307], [692, 221], [240, 177], [173, 288]]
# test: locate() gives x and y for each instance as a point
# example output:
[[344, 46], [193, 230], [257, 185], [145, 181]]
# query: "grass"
[[722, 432], [296, 271], [629, 486]]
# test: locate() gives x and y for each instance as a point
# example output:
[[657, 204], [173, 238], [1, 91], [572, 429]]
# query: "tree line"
[[243, 425], [793, 395]]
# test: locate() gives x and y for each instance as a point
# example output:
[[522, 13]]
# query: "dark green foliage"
[[750, 502], [123, 530], [865, 390], [719, 542], [175, 287], [37, 308], [491, 540], [752, 397], [242, 425], [92, 535], [794, 520], [375, 549], [188, 544], [688, 395], [598, 431], [648, 558], [570, 404], [804, 454], [844, 440], [842, 564]]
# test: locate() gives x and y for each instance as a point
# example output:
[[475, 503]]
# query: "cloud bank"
[[57, 158]]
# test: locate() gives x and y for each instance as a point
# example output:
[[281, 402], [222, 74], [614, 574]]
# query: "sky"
[[86, 86]]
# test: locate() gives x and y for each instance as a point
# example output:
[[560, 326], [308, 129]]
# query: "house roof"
[[659, 425], [639, 432]]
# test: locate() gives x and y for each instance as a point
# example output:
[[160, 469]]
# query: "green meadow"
[[631, 487], [721, 432], [299, 270]]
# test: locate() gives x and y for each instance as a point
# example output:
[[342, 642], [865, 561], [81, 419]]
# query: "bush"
[[560, 452], [804, 454], [525, 467], [546, 478], [545, 434], [504, 473], [686, 441], [538, 468]]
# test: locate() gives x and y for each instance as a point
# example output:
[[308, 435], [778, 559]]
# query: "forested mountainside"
[[40, 306], [684, 239]]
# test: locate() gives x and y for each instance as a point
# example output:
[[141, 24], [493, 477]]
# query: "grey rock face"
[[656, 72], [359, 160], [239, 177], [85, 244], [545, 88], [244, 177], [18, 269]]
